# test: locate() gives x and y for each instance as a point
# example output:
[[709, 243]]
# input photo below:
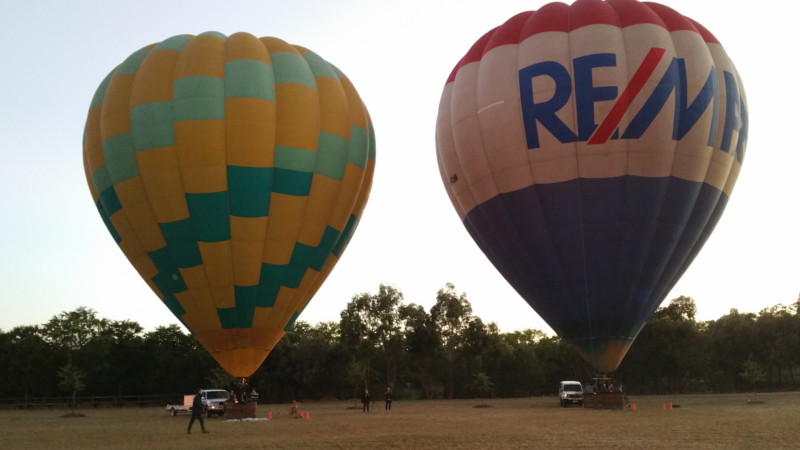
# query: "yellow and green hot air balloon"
[[232, 171]]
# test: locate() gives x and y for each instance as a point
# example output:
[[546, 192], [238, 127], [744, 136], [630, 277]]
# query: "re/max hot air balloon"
[[232, 171], [589, 150]]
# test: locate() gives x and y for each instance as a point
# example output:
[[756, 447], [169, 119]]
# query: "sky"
[[57, 255]]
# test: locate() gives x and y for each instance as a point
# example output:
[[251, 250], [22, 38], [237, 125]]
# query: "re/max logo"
[[687, 111]]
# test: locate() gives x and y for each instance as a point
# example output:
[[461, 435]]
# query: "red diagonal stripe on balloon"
[[643, 72]]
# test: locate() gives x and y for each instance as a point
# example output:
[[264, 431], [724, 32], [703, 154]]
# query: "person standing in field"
[[365, 401], [388, 396], [198, 409]]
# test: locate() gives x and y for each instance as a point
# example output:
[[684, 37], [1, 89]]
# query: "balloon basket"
[[240, 410], [604, 400]]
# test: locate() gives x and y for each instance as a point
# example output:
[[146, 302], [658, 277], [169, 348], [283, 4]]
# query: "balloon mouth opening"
[[242, 360], [604, 355]]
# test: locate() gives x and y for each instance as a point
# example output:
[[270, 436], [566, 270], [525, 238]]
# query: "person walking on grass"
[[198, 409]]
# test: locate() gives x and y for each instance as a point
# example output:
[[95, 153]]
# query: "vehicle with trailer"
[[213, 402]]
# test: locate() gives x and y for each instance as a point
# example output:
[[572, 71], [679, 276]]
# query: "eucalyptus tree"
[[370, 326], [451, 314], [422, 344]]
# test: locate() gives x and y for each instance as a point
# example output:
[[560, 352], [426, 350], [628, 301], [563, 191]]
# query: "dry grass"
[[702, 421]]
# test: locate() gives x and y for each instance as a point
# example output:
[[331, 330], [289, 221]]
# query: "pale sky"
[[57, 255]]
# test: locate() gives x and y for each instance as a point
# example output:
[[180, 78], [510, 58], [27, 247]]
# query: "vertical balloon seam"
[[574, 8], [457, 156], [534, 186], [657, 296], [167, 293], [279, 308], [458, 168], [619, 265], [312, 285], [265, 288], [122, 214], [500, 196], [179, 308], [240, 318], [168, 298], [189, 320], [693, 242], [537, 192], [624, 334], [196, 225], [262, 292]]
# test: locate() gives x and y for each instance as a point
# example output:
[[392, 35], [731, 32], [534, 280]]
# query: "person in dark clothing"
[[388, 396], [365, 400], [198, 409]]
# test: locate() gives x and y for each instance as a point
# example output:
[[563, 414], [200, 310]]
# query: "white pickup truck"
[[213, 401], [570, 393]]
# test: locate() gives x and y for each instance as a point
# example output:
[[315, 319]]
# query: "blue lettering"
[[545, 112], [735, 118], [586, 94], [685, 117]]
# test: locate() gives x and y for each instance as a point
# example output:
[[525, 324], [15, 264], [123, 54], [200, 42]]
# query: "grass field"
[[698, 421]]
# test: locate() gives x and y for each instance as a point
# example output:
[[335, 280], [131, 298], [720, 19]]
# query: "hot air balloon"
[[589, 150], [232, 171]]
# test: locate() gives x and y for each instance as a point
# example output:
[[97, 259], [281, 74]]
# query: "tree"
[[669, 352], [175, 360], [681, 308], [731, 340], [370, 326], [752, 374], [125, 355], [777, 331], [451, 314], [481, 385], [317, 359], [422, 344], [522, 372], [81, 336], [73, 330], [71, 382], [30, 363]]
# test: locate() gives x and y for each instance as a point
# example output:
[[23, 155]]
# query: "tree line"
[[380, 341]]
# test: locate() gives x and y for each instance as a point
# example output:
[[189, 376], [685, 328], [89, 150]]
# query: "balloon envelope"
[[589, 150], [232, 172]]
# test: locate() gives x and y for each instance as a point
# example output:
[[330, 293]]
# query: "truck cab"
[[570, 393], [213, 400]]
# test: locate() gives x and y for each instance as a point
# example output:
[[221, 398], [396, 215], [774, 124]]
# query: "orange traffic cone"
[[270, 415], [307, 415], [633, 406], [664, 406]]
